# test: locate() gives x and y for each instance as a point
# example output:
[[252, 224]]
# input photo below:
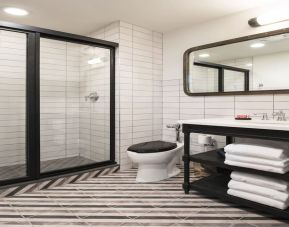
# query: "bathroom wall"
[[138, 85], [179, 106]]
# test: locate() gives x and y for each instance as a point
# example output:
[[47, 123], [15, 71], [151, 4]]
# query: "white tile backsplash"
[[185, 107]]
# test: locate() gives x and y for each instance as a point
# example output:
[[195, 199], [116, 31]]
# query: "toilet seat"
[[152, 147]]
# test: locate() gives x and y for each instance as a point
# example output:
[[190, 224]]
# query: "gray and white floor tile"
[[117, 200]]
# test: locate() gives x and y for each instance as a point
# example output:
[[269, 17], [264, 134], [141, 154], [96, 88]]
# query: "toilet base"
[[153, 173], [175, 172]]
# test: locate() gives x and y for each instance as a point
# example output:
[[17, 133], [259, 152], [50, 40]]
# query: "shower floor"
[[19, 170]]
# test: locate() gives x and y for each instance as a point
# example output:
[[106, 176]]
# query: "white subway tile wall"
[[178, 106], [12, 98], [138, 85]]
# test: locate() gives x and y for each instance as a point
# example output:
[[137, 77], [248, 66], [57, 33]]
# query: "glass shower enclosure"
[[57, 103]]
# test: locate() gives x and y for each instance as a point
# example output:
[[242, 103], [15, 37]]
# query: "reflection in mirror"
[[233, 81], [203, 79], [264, 60]]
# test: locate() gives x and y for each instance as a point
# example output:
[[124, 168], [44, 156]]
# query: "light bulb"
[[15, 11]]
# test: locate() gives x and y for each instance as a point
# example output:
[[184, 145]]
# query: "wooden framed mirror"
[[256, 64]]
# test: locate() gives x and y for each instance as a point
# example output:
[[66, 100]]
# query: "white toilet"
[[156, 165]]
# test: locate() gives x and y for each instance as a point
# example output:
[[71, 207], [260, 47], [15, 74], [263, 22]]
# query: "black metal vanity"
[[216, 184]]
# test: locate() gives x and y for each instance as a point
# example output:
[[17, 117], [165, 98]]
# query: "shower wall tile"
[[110, 33], [94, 116], [142, 85], [71, 126], [138, 86], [157, 85], [171, 107], [52, 130]]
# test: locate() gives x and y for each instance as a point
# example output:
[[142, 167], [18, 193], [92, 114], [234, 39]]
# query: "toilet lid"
[[152, 147]]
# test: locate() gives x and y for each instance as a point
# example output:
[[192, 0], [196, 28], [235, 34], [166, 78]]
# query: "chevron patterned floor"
[[16, 171], [117, 200]]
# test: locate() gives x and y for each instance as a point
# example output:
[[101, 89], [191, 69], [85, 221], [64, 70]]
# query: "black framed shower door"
[[33, 113]]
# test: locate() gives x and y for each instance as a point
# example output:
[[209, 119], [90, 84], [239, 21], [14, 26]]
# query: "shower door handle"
[[93, 96]]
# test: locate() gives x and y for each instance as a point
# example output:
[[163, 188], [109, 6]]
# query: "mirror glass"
[[254, 65]]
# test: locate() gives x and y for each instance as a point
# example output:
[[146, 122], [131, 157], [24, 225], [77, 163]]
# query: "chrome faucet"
[[281, 116], [177, 127], [264, 115]]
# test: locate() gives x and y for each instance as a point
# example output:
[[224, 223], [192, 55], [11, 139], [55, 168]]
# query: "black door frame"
[[33, 98]]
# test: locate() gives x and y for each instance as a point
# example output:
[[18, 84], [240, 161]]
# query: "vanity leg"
[[186, 159], [229, 139]]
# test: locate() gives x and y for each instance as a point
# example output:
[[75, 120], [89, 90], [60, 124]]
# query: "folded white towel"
[[252, 150], [267, 143], [256, 166], [263, 181], [258, 190], [260, 161], [258, 199]]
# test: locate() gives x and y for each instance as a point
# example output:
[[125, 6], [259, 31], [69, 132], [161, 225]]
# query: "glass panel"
[[12, 104], [234, 81], [74, 104], [203, 79]]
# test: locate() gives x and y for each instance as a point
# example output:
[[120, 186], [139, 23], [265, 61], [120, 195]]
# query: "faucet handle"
[[264, 115], [281, 115]]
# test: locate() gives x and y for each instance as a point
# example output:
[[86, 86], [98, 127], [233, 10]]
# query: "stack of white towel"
[[266, 158], [264, 190]]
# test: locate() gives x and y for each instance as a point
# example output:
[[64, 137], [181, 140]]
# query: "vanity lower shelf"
[[216, 186], [212, 158]]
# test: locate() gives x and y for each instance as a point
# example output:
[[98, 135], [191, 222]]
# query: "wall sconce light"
[[269, 18]]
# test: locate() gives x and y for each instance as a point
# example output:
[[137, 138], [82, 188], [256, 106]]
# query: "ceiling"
[[85, 16]]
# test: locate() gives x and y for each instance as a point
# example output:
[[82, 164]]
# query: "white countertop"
[[231, 122]]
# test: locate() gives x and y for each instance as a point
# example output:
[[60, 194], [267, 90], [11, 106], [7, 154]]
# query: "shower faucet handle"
[[93, 96]]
